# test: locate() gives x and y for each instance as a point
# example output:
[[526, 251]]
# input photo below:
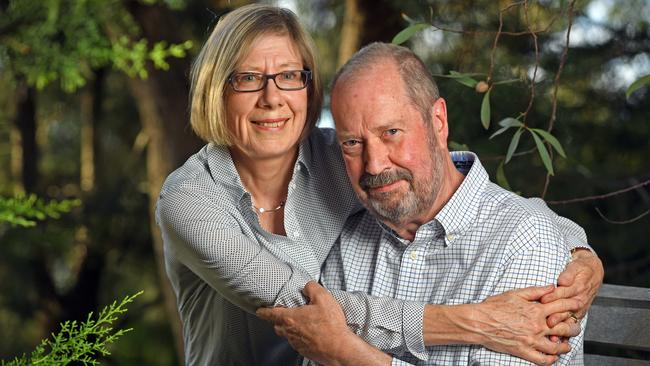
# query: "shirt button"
[[451, 237], [414, 255], [296, 234], [293, 185]]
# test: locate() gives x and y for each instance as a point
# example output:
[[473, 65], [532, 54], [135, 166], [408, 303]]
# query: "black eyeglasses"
[[284, 80]]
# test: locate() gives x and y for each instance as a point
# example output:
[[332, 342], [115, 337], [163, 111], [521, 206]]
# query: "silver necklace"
[[267, 210]]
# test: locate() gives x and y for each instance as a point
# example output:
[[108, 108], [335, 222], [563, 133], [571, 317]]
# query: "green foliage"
[[46, 41], [543, 153], [79, 342], [25, 210], [537, 134], [465, 79], [505, 124], [638, 84], [485, 110], [551, 140], [408, 32], [514, 142], [131, 57]]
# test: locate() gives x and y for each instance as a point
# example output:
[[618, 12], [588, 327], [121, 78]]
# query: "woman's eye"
[[288, 75], [247, 78]]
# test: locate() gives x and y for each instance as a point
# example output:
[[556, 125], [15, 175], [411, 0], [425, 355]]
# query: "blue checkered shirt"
[[484, 241]]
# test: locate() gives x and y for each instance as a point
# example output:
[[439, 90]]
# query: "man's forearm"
[[445, 324], [512, 322]]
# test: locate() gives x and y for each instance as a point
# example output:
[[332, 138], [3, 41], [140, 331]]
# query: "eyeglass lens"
[[285, 80]]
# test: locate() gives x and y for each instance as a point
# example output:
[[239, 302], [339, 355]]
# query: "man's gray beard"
[[416, 201]]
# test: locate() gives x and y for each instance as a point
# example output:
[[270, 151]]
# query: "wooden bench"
[[618, 330]]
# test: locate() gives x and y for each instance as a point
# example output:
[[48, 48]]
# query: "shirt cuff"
[[412, 323], [575, 242]]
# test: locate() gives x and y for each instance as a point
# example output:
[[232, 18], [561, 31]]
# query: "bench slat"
[[619, 325], [624, 293], [627, 328], [598, 360]]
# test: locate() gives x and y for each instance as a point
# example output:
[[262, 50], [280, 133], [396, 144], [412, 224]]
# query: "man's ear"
[[439, 120]]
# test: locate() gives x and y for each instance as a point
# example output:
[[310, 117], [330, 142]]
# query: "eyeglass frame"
[[266, 78]]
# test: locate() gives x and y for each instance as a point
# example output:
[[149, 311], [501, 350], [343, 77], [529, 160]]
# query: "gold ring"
[[573, 316]]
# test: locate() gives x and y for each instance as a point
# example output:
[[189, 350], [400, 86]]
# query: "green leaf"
[[513, 144], [467, 81], [551, 140], [510, 122], [506, 124], [499, 131], [485, 110], [501, 177], [640, 83], [457, 75], [407, 33], [543, 153]]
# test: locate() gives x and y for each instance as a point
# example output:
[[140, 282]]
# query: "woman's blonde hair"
[[228, 44]]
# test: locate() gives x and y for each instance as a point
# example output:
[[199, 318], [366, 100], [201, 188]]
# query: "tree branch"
[[624, 221], [600, 197]]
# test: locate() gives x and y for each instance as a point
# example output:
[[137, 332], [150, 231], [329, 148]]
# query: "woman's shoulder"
[[197, 177]]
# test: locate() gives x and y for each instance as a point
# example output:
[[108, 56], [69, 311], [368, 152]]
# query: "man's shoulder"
[[497, 199], [521, 217]]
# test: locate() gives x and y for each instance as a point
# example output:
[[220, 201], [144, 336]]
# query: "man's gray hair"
[[420, 87]]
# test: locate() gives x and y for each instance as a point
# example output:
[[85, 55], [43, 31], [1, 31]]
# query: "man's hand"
[[580, 281], [319, 331], [514, 323]]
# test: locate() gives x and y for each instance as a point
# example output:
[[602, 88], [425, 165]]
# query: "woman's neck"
[[267, 180]]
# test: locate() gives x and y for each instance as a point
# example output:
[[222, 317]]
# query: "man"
[[447, 235]]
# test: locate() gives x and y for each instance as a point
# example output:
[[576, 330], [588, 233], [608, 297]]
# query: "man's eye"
[[392, 131], [350, 143]]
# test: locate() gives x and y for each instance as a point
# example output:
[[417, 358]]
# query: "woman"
[[250, 218], [255, 193]]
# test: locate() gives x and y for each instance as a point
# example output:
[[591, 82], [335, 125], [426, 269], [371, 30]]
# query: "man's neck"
[[452, 179]]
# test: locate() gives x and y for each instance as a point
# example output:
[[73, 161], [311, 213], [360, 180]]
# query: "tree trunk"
[[89, 104], [162, 106], [24, 152], [381, 20], [351, 31], [361, 26]]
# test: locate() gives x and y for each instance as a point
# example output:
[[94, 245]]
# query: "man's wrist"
[[451, 324], [581, 252]]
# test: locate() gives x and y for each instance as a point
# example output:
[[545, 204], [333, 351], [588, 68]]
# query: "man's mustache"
[[368, 181]]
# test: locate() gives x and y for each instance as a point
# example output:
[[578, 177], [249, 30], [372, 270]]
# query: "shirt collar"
[[304, 155], [458, 215], [460, 211]]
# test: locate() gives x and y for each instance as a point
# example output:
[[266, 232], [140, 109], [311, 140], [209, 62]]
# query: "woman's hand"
[[580, 281]]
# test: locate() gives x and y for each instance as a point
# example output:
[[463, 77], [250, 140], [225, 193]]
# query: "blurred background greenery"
[[93, 106]]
